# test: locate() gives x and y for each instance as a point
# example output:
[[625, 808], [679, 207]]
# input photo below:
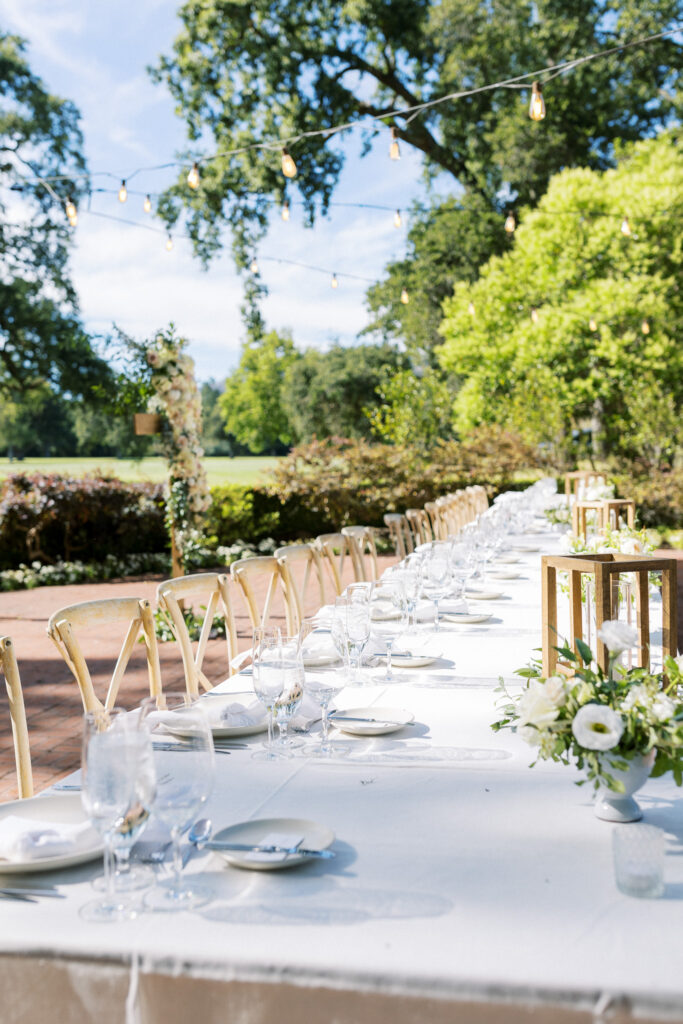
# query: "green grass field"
[[219, 470]]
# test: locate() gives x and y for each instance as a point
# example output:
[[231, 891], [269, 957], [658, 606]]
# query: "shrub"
[[50, 517], [658, 497]]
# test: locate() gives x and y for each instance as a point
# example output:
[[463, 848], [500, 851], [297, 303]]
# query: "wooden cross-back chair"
[[399, 532], [437, 520], [246, 572], [300, 565], [363, 552], [102, 615], [420, 525], [212, 590], [17, 713], [479, 499], [335, 550]]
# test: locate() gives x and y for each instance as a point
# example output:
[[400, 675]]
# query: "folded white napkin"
[[235, 715], [308, 711], [28, 839], [318, 647]]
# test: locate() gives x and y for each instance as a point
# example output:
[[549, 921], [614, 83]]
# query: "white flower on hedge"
[[535, 706], [597, 727], [618, 636]]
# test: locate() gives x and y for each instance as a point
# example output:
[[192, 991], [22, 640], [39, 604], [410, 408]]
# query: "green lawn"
[[219, 470]]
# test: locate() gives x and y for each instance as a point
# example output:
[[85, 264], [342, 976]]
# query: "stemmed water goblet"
[[184, 757], [118, 790], [436, 577], [268, 682], [390, 614], [463, 567], [291, 667], [357, 625], [323, 684]]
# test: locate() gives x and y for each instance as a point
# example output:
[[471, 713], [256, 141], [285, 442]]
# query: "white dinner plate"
[[507, 559], [315, 837], [386, 720], [318, 660], [224, 732], [504, 574], [412, 660], [384, 613], [467, 617], [527, 548], [483, 595], [62, 808]]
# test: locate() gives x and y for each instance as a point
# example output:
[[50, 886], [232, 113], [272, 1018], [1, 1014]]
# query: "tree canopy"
[[581, 320], [242, 74], [41, 336]]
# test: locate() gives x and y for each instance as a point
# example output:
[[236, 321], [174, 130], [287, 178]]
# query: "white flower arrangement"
[[622, 713]]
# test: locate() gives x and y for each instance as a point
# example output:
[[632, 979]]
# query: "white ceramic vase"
[[621, 807]]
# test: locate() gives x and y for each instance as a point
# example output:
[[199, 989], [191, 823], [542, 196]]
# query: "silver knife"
[[216, 844], [30, 893], [370, 721]]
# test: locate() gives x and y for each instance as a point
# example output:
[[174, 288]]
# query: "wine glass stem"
[[325, 726], [436, 615], [271, 722], [389, 675], [177, 862], [121, 862], [109, 867]]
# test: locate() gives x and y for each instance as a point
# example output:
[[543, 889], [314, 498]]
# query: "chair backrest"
[[246, 572], [399, 531], [335, 549], [298, 564], [420, 525], [212, 589], [437, 520], [363, 552], [102, 615], [17, 712]]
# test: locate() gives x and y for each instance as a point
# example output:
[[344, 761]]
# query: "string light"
[[169, 244], [510, 223], [193, 177], [147, 205], [288, 165], [253, 266], [123, 192], [592, 323], [397, 219], [285, 210], [534, 315], [537, 104], [625, 228], [471, 310], [394, 148], [645, 327], [334, 283], [405, 298]]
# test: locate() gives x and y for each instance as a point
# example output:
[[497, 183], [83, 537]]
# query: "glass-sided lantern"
[[603, 571]]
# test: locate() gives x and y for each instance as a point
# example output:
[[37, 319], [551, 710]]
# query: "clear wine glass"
[[291, 667], [183, 752], [323, 684], [436, 577], [267, 683], [357, 627], [117, 792], [390, 616]]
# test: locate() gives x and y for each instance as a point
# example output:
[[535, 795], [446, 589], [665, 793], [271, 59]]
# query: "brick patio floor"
[[52, 698], [53, 704]]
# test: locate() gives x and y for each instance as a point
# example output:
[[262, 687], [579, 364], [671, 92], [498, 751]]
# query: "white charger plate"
[[390, 720], [483, 595], [60, 808], [467, 617], [315, 837]]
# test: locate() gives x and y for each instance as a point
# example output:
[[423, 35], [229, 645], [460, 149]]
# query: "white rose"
[[597, 727], [618, 636], [663, 708], [556, 690], [535, 707], [529, 735], [631, 546], [636, 695]]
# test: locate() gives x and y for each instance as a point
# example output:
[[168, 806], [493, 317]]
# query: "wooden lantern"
[[575, 483], [147, 423], [604, 569], [610, 512]]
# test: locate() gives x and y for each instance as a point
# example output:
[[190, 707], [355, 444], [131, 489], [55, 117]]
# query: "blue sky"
[[95, 52]]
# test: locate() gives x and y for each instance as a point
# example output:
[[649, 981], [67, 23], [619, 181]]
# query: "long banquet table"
[[466, 887]]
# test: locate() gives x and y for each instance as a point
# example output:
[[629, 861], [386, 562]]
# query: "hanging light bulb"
[[288, 165], [534, 315], [73, 221], [394, 148], [334, 283], [169, 244], [537, 104], [147, 205], [253, 266], [625, 228], [70, 208], [405, 298], [510, 223], [193, 176], [471, 310], [123, 192], [397, 219], [645, 327], [593, 324], [285, 210]]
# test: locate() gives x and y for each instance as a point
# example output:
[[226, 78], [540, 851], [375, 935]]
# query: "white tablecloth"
[[464, 881]]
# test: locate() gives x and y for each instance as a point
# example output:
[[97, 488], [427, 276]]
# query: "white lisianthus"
[[663, 708], [556, 690], [631, 546], [636, 695], [535, 706], [597, 727], [530, 735], [618, 636]]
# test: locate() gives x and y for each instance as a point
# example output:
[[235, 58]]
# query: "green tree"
[[214, 439], [413, 409], [578, 318], [252, 403], [244, 74], [330, 393], [42, 165], [37, 423]]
